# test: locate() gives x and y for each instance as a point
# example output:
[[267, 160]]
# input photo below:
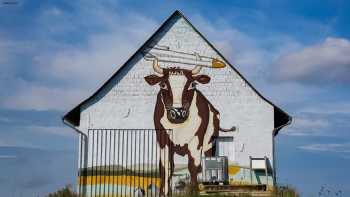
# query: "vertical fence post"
[[118, 165], [125, 161], [113, 166], [135, 135], [92, 159]]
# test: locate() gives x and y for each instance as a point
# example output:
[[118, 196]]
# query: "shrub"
[[285, 191], [67, 191]]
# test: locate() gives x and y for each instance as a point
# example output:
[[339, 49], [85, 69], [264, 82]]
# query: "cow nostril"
[[172, 114], [183, 113]]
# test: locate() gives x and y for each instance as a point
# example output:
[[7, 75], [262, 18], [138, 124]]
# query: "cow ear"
[[204, 79], [153, 79]]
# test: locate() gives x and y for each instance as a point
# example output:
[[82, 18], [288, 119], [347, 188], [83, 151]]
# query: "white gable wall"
[[128, 102]]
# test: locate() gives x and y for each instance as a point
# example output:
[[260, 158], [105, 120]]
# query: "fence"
[[119, 162]]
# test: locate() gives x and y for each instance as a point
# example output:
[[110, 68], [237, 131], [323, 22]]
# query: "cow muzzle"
[[177, 114]]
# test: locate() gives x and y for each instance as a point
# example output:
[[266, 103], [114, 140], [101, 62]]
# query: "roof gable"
[[73, 116]]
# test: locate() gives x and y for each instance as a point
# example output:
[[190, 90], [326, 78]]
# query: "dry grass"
[[280, 191], [67, 191]]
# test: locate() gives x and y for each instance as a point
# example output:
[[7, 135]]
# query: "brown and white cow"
[[194, 121]]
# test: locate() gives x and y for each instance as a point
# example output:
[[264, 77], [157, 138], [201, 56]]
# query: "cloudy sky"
[[54, 54]]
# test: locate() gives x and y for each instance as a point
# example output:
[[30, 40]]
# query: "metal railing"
[[119, 162]]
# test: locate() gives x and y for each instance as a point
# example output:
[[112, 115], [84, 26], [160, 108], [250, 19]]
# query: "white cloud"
[[113, 39], [9, 51], [37, 137], [3, 52], [237, 46], [311, 124], [253, 57], [326, 62], [287, 93], [329, 108], [54, 130], [102, 56], [27, 95], [333, 123], [8, 156], [329, 147], [11, 142], [5, 143], [308, 126], [62, 131], [65, 74]]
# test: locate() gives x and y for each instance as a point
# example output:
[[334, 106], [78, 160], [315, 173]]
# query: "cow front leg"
[[194, 165], [194, 170], [166, 169]]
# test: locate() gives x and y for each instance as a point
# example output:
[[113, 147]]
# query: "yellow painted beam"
[[134, 181]]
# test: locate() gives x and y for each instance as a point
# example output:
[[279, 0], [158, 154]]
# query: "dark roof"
[[281, 118]]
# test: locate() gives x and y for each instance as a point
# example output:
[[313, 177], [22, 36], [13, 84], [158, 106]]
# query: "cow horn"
[[196, 69], [156, 66]]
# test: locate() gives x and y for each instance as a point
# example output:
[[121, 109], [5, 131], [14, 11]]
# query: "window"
[[225, 147]]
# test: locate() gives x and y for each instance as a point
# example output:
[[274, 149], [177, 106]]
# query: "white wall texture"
[[128, 102]]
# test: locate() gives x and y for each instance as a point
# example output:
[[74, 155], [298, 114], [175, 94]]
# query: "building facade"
[[177, 84]]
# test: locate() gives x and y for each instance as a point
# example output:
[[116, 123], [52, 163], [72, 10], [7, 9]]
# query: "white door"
[[225, 147]]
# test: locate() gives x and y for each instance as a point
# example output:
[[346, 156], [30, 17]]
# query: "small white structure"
[[121, 133]]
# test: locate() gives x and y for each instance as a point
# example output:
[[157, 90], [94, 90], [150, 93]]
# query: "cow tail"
[[228, 130]]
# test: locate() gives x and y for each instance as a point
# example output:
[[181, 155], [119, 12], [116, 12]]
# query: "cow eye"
[[163, 86]]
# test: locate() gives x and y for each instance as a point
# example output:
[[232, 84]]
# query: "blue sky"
[[53, 54]]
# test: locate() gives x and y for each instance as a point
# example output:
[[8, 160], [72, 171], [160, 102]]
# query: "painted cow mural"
[[194, 121]]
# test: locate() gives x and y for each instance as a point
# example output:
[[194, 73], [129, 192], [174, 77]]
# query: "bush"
[[67, 191], [286, 191]]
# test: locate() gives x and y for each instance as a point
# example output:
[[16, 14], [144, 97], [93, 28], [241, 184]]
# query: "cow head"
[[177, 87]]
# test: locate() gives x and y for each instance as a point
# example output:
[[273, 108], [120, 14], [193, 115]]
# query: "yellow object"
[[200, 187], [238, 182], [133, 181], [232, 170], [217, 63]]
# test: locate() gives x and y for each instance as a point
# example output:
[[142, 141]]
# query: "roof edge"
[[281, 119], [73, 116]]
